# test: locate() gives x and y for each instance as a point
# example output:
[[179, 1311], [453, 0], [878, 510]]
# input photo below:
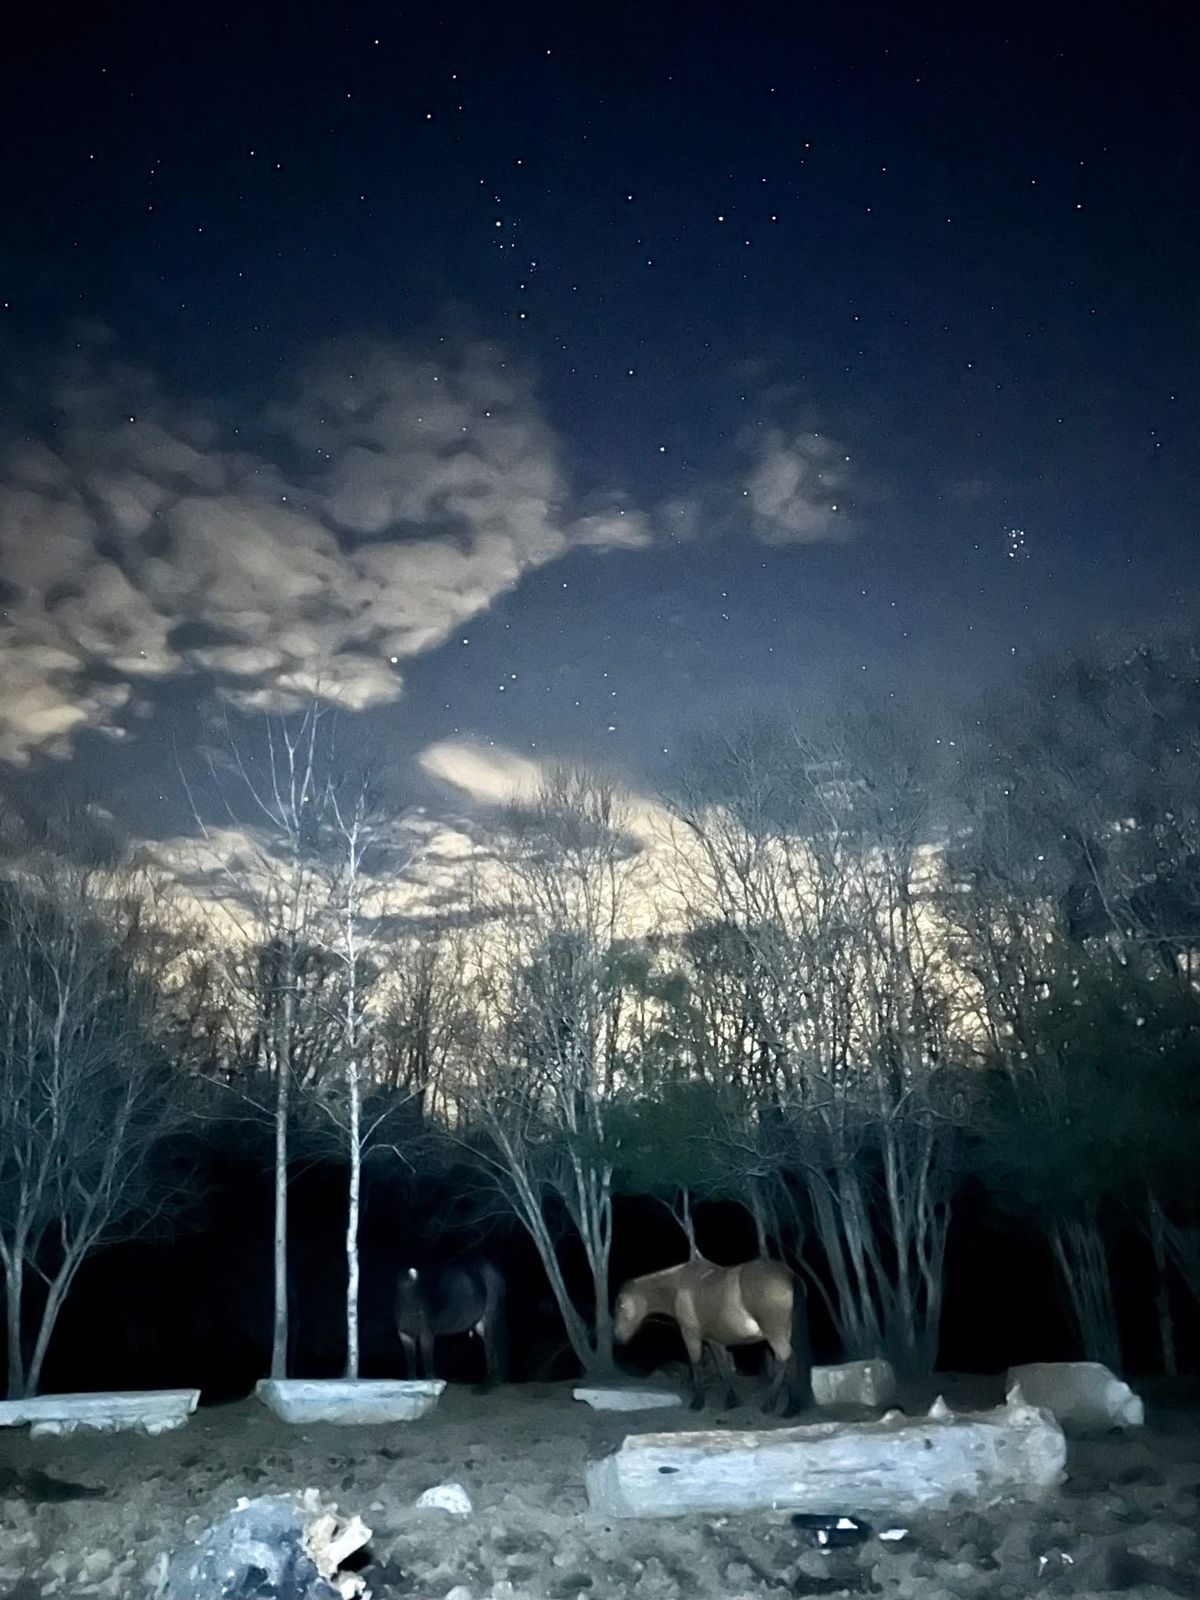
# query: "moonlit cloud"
[[795, 488], [489, 776], [387, 500]]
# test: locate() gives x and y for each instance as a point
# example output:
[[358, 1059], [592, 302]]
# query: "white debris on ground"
[[289, 1546], [627, 1397], [1082, 1395]]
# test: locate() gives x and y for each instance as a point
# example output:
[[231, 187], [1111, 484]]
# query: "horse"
[[450, 1298], [720, 1307]]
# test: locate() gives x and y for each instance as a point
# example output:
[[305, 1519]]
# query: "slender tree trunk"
[[526, 1204], [1083, 1261], [754, 1205], [354, 1086], [689, 1225], [14, 1284], [283, 1068], [55, 1296], [1162, 1298]]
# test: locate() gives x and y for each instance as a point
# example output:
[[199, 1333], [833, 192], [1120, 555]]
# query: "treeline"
[[842, 972]]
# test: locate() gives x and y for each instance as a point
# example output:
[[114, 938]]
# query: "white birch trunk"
[[353, 1209], [283, 1069]]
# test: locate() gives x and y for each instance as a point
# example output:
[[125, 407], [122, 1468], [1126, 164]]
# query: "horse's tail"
[[801, 1363]]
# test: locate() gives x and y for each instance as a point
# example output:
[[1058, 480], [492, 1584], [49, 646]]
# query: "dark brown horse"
[[718, 1308], [450, 1298]]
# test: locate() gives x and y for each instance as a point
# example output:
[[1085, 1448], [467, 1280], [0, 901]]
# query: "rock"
[[855, 1383], [150, 1410], [288, 1547], [879, 1468], [349, 1400], [1083, 1396], [451, 1497], [627, 1397]]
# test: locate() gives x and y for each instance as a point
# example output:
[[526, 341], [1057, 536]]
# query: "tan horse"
[[759, 1302]]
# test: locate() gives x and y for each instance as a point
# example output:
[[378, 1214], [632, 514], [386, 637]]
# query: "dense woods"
[[866, 986]]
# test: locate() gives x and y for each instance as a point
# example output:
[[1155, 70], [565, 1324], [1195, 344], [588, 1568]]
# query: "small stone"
[[449, 1497]]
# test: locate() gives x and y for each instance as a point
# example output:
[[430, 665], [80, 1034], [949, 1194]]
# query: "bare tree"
[[360, 855], [545, 992], [267, 883], [86, 1091], [425, 1019], [1073, 890], [809, 850]]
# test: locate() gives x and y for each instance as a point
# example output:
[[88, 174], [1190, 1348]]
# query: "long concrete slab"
[[897, 1466], [118, 1411]]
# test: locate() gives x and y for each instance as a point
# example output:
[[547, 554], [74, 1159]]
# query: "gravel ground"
[[1126, 1523]]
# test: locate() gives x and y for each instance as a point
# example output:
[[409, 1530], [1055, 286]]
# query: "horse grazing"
[[720, 1307], [438, 1301]]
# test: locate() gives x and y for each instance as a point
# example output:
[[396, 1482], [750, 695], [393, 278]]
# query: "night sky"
[[564, 380]]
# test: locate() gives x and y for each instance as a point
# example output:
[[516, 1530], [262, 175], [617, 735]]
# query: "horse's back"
[[453, 1295], [767, 1283]]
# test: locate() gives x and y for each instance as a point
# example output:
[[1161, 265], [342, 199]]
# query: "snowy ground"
[[1127, 1523]]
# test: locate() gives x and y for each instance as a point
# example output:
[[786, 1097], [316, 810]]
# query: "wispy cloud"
[[380, 505], [488, 775], [795, 486], [787, 486]]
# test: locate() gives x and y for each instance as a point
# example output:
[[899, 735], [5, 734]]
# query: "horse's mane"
[[665, 1273]]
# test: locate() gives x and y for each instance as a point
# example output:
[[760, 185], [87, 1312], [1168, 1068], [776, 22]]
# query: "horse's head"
[[630, 1312]]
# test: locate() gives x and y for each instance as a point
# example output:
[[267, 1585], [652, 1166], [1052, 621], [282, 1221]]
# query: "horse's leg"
[[695, 1354], [728, 1372], [494, 1333], [787, 1392], [777, 1371], [408, 1346], [782, 1364], [425, 1343]]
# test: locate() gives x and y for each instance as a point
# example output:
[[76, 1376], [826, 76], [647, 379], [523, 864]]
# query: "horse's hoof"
[[697, 1403]]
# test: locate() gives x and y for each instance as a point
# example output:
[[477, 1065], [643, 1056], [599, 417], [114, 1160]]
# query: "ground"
[[1127, 1522]]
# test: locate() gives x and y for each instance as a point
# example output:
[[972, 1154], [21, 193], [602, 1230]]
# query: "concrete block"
[[855, 1383], [349, 1400], [1083, 1395], [121, 1411], [894, 1467]]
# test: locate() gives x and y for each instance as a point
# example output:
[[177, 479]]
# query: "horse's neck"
[[663, 1286]]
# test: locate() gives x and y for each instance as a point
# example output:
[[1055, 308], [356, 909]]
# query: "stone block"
[[627, 1397], [122, 1411], [1084, 1396], [855, 1383], [349, 1400], [893, 1467]]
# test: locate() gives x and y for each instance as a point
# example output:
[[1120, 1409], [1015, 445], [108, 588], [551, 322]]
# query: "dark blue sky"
[[711, 271]]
